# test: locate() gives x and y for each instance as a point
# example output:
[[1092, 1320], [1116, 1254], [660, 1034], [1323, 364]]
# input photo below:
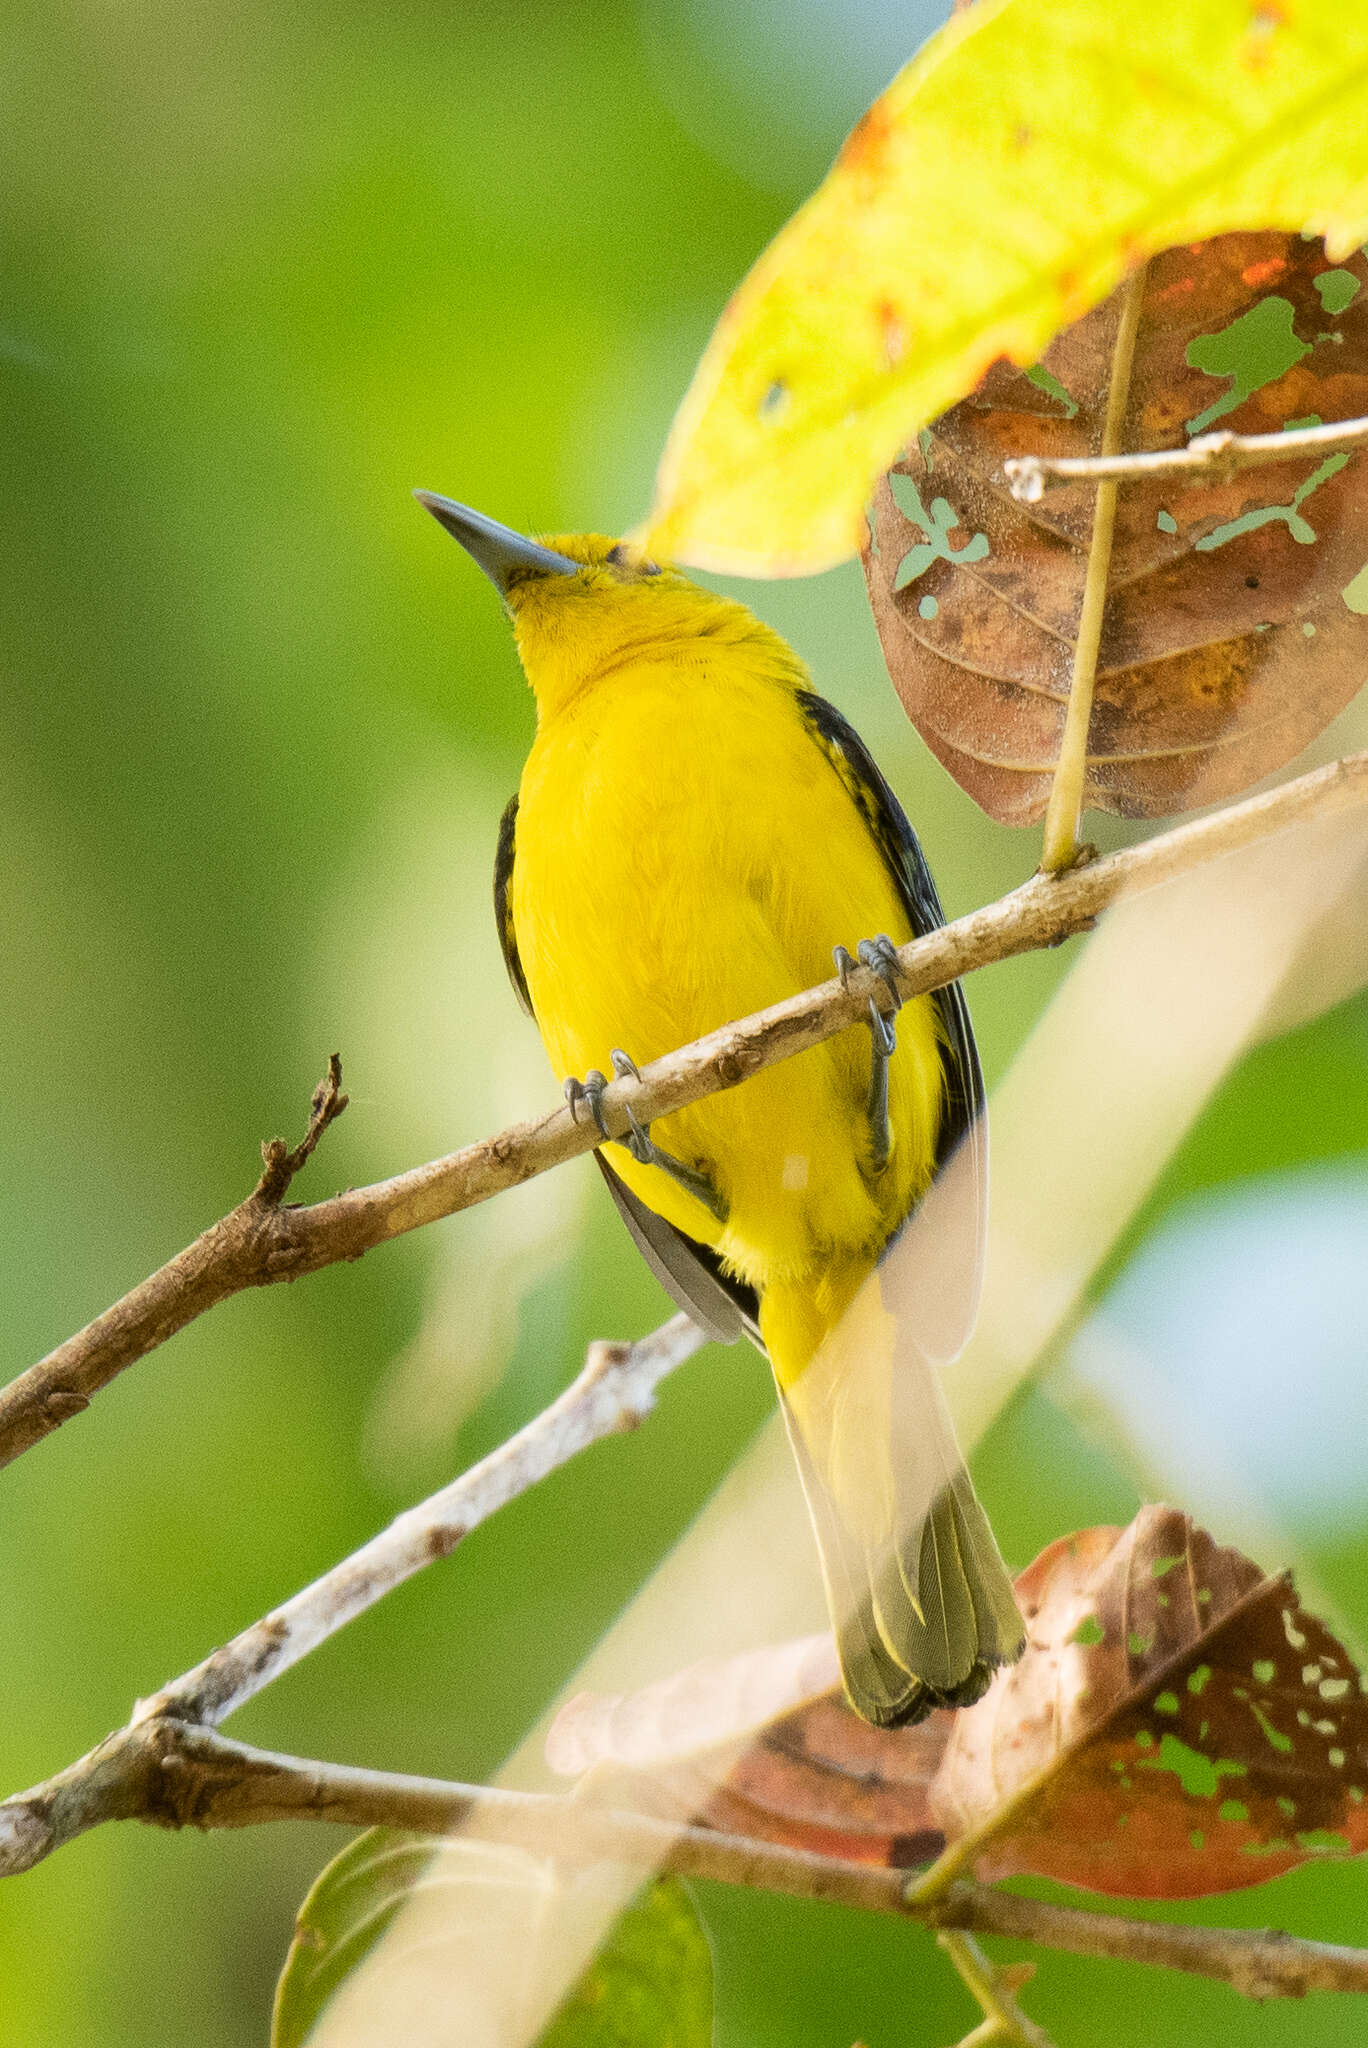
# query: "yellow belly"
[[686, 854]]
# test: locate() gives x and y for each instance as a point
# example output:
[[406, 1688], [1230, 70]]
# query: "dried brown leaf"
[[1187, 1727], [1178, 1725], [1237, 616]]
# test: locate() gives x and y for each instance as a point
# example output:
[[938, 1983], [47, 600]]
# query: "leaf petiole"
[[1061, 849]]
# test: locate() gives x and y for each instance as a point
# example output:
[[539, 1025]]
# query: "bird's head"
[[581, 602]]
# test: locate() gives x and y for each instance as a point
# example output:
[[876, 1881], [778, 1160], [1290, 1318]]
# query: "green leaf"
[[351, 1904], [1033, 153], [648, 1986]]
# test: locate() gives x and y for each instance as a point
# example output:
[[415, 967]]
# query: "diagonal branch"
[[263, 1241], [125, 1776], [175, 1775]]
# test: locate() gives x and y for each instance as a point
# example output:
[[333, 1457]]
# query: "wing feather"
[[947, 1311], [690, 1273], [503, 902]]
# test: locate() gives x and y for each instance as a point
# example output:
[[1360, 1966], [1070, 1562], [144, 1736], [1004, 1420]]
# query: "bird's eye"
[[622, 557]]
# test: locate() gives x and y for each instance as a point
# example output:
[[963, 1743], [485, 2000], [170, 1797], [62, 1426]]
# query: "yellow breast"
[[686, 854]]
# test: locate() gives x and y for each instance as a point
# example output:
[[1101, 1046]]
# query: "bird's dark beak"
[[500, 552]]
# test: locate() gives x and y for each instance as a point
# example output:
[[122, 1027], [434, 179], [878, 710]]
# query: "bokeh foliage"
[[268, 268]]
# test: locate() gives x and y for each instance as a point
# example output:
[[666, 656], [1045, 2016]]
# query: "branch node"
[[1257, 1976], [737, 1065], [1083, 857], [62, 1403], [606, 1355], [995, 1989], [281, 1164], [442, 1538], [607, 1359]]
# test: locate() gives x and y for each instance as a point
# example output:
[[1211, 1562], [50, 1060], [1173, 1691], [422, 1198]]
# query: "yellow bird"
[[696, 834]]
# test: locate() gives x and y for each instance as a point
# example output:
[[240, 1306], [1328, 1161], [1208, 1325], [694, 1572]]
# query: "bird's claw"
[[880, 956], [590, 1092], [637, 1137]]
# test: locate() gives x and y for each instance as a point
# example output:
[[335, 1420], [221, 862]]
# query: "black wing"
[[691, 1273], [963, 1125], [901, 849], [503, 902]]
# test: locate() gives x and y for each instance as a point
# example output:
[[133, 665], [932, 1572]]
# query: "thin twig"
[[1064, 812], [1209, 457], [1259, 1962], [281, 1165], [175, 1775], [615, 1391], [995, 1987], [236, 1252], [260, 1243]]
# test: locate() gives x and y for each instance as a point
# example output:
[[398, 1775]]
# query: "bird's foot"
[[880, 956], [589, 1092], [638, 1139]]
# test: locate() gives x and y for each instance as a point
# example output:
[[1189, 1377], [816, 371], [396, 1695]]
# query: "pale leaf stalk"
[[958, 1856], [1209, 458]]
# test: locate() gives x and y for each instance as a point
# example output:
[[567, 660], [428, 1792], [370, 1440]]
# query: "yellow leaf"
[[1032, 153]]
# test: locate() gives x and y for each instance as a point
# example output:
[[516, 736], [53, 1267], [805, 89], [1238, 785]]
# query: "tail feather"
[[880, 1687], [920, 1599], [943, 1595], [1000, 1630]]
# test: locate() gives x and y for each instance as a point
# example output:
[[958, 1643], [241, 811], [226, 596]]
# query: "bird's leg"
[[880, 956], [638, 1140]]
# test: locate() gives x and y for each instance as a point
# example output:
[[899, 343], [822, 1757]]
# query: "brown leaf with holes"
[[1237, 617], [1187, 1727], [1177, 1725]]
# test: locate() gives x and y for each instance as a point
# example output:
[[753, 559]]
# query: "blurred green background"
[[267, 269]]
